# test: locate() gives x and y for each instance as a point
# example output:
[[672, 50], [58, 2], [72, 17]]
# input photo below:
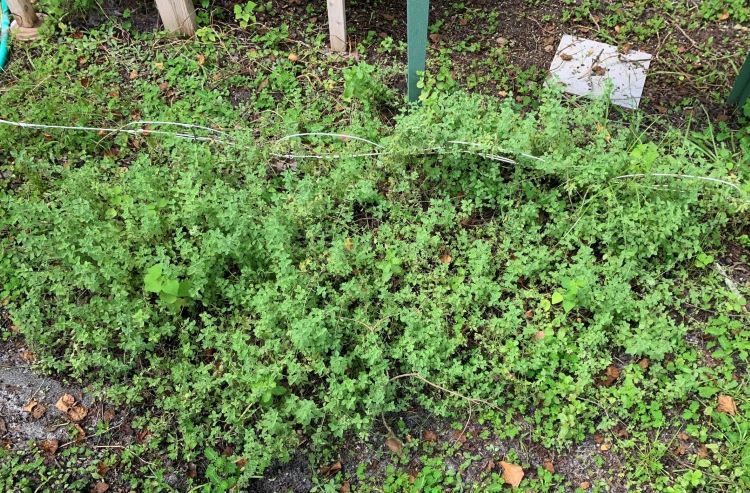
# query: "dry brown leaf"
[[65, 402], [503, 94], [566, 57], [549, 48], [702, 452], [101, 487], [683, 436], [724, 16], [539, 335], [529, 313], [201, 58], [598, 438], [77, 413], [548, 465], [429, 436], [102, 468], [49, 446], [108, 415], [27, 356], [598, 70], [644, 363], [394, 445], [29, 406], [345, 487], [293, 57], [680, 449], [133, 75], [610, 376], [727, 405], [38, 411], [445, 258], [435, 37], [585, 485], [330, 470], [512, 473], [605, 446]]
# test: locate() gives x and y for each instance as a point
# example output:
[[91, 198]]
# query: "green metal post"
[[741, 89], [417, 18]]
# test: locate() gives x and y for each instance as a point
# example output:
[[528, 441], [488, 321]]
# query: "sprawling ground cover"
[[448, 286]]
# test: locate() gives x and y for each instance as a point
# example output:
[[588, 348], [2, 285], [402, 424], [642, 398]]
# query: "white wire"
[[326, 134]]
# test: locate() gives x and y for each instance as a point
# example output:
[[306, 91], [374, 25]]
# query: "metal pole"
[[417, 16]]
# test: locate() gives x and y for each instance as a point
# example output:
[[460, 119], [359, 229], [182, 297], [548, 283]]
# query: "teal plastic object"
[[741, 90], [417, 18], [4, 31]]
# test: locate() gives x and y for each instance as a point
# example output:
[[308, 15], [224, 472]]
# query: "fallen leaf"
[[539, 335], [446, 258], [102, 468], [549, 48], [394, 445], [201, 58], [29, 406], [293, 57], [27, 356], [77, 413], [348, 245], [625, 49], [512, 473], [585, 485], [435, 38], [49, 446], [159, 65], [683, 436], [727, 405], [489, 466], [429, 436], [463, 21], [163, 86], [566, 57], [529, 314], [241, 462], [108, 414], [65, 402], [38, 411], [605, 446], [345, 487], [459, 436], [502, 94], [644, 363], [724, 15], [598, 438], [610, 376], [702, 452], [101, 487], [133, 75], [598, 70], [331, 469], [680, 449], [549, 466]]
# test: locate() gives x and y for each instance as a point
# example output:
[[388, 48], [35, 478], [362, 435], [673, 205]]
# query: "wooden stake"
[[337, 24], [177, 15], [23, 13]]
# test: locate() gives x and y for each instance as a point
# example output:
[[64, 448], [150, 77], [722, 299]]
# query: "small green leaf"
[[152, 281], [557, 298]]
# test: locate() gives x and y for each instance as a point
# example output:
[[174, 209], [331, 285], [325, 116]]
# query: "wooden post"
[[23, 13], [337, 24], [177, 15], [741, 90], [417, 18]]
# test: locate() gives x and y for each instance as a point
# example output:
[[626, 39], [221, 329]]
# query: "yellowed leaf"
[[38, 411], [348, 245], [549, 466], [724, 15], [726, 405], [512, 473], [201, 58], [293, 57]]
